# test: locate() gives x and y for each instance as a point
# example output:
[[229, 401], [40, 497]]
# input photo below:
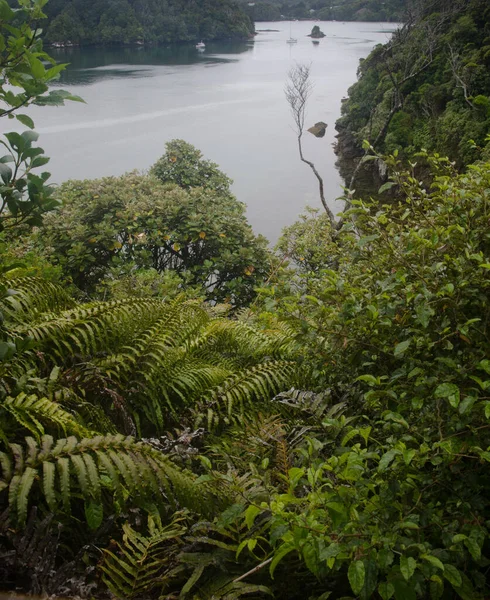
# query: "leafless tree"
[[297, 90], [460, 75]]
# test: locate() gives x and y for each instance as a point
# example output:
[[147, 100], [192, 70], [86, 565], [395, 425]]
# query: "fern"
[[306, 406], [240, 395], [140, 563], [92, 328], [145, 363], [33, 296], [70, 468], [33, 414]]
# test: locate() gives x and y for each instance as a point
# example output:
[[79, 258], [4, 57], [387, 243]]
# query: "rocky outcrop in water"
[[318, 129], [316, 33]]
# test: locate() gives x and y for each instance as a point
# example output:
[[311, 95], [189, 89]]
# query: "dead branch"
[[297, 91]]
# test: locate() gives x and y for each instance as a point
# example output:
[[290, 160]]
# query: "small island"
[[316, 33]]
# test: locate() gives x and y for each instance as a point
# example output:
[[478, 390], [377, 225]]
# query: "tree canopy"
[[145, 21], [340, 10], [108, 227], [428, 88]]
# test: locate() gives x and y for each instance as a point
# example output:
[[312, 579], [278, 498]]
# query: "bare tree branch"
[[297, 91], [457, 69]]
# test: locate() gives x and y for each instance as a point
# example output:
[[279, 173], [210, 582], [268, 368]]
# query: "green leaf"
[[196, 574], [452, 575], [94, 513], [386, 460], [40, 161], [484, 365], [356, 574], [250, 515], [5, 173], [385, 558], [331, 550], [410, 525], [449, 391], [30, 136], [473, 548], [369, 379], [25, 120], [433, 561], [367, 239], [386, 186], [408, 456], [386, 590], [370, 581], [407, 566], [436, 586], [467, 404], [230, 515], [6, 13], [402, 347], [280, 553]]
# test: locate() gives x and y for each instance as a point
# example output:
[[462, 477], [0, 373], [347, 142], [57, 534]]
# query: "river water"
[[228, 101]]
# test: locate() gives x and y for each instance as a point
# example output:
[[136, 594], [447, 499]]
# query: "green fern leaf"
[[63, 465], [49, 474], [21, 500]]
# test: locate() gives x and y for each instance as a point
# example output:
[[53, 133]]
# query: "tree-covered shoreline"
[[98, 22], [325, 10], [427, 88]]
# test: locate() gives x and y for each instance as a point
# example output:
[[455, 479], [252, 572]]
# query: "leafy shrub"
[[105, 227], [391, 498]]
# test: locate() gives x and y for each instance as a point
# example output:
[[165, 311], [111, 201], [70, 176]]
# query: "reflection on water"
[[91, 64]]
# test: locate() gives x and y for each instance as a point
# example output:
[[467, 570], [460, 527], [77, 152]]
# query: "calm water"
[[228, 101]]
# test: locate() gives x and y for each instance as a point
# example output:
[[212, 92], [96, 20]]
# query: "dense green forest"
[[188, 414], [326, 10], [145, 21], [428, 88]]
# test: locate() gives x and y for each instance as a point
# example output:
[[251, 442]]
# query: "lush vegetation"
[[145, 21], [428, 88], [183, 415], [340, 10], [182, 220]]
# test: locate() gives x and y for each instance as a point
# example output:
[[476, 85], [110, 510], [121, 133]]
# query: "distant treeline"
[[339, 10], [145, 21]]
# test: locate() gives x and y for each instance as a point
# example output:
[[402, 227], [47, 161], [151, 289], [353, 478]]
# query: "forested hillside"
[[340, 10], [428, 87], [188, 414], [145, 21]]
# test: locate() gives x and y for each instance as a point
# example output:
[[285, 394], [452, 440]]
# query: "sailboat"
[[291, 40]]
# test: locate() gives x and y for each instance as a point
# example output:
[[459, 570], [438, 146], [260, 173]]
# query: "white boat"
[[291, 40], [201, 45]]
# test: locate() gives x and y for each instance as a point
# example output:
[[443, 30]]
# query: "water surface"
[[228, 101]]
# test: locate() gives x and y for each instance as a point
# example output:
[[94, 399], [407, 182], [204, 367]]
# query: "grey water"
[[228, 101]]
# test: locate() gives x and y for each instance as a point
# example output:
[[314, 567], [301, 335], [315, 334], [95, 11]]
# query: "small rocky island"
[[316, 33], [318, 129]]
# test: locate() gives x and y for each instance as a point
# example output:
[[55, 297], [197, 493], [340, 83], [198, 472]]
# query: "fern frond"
[[250, 442], [33, 296], [91, 328], [140, 563], [80, 468], [309, 405], [33, 413], [240, 395]]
